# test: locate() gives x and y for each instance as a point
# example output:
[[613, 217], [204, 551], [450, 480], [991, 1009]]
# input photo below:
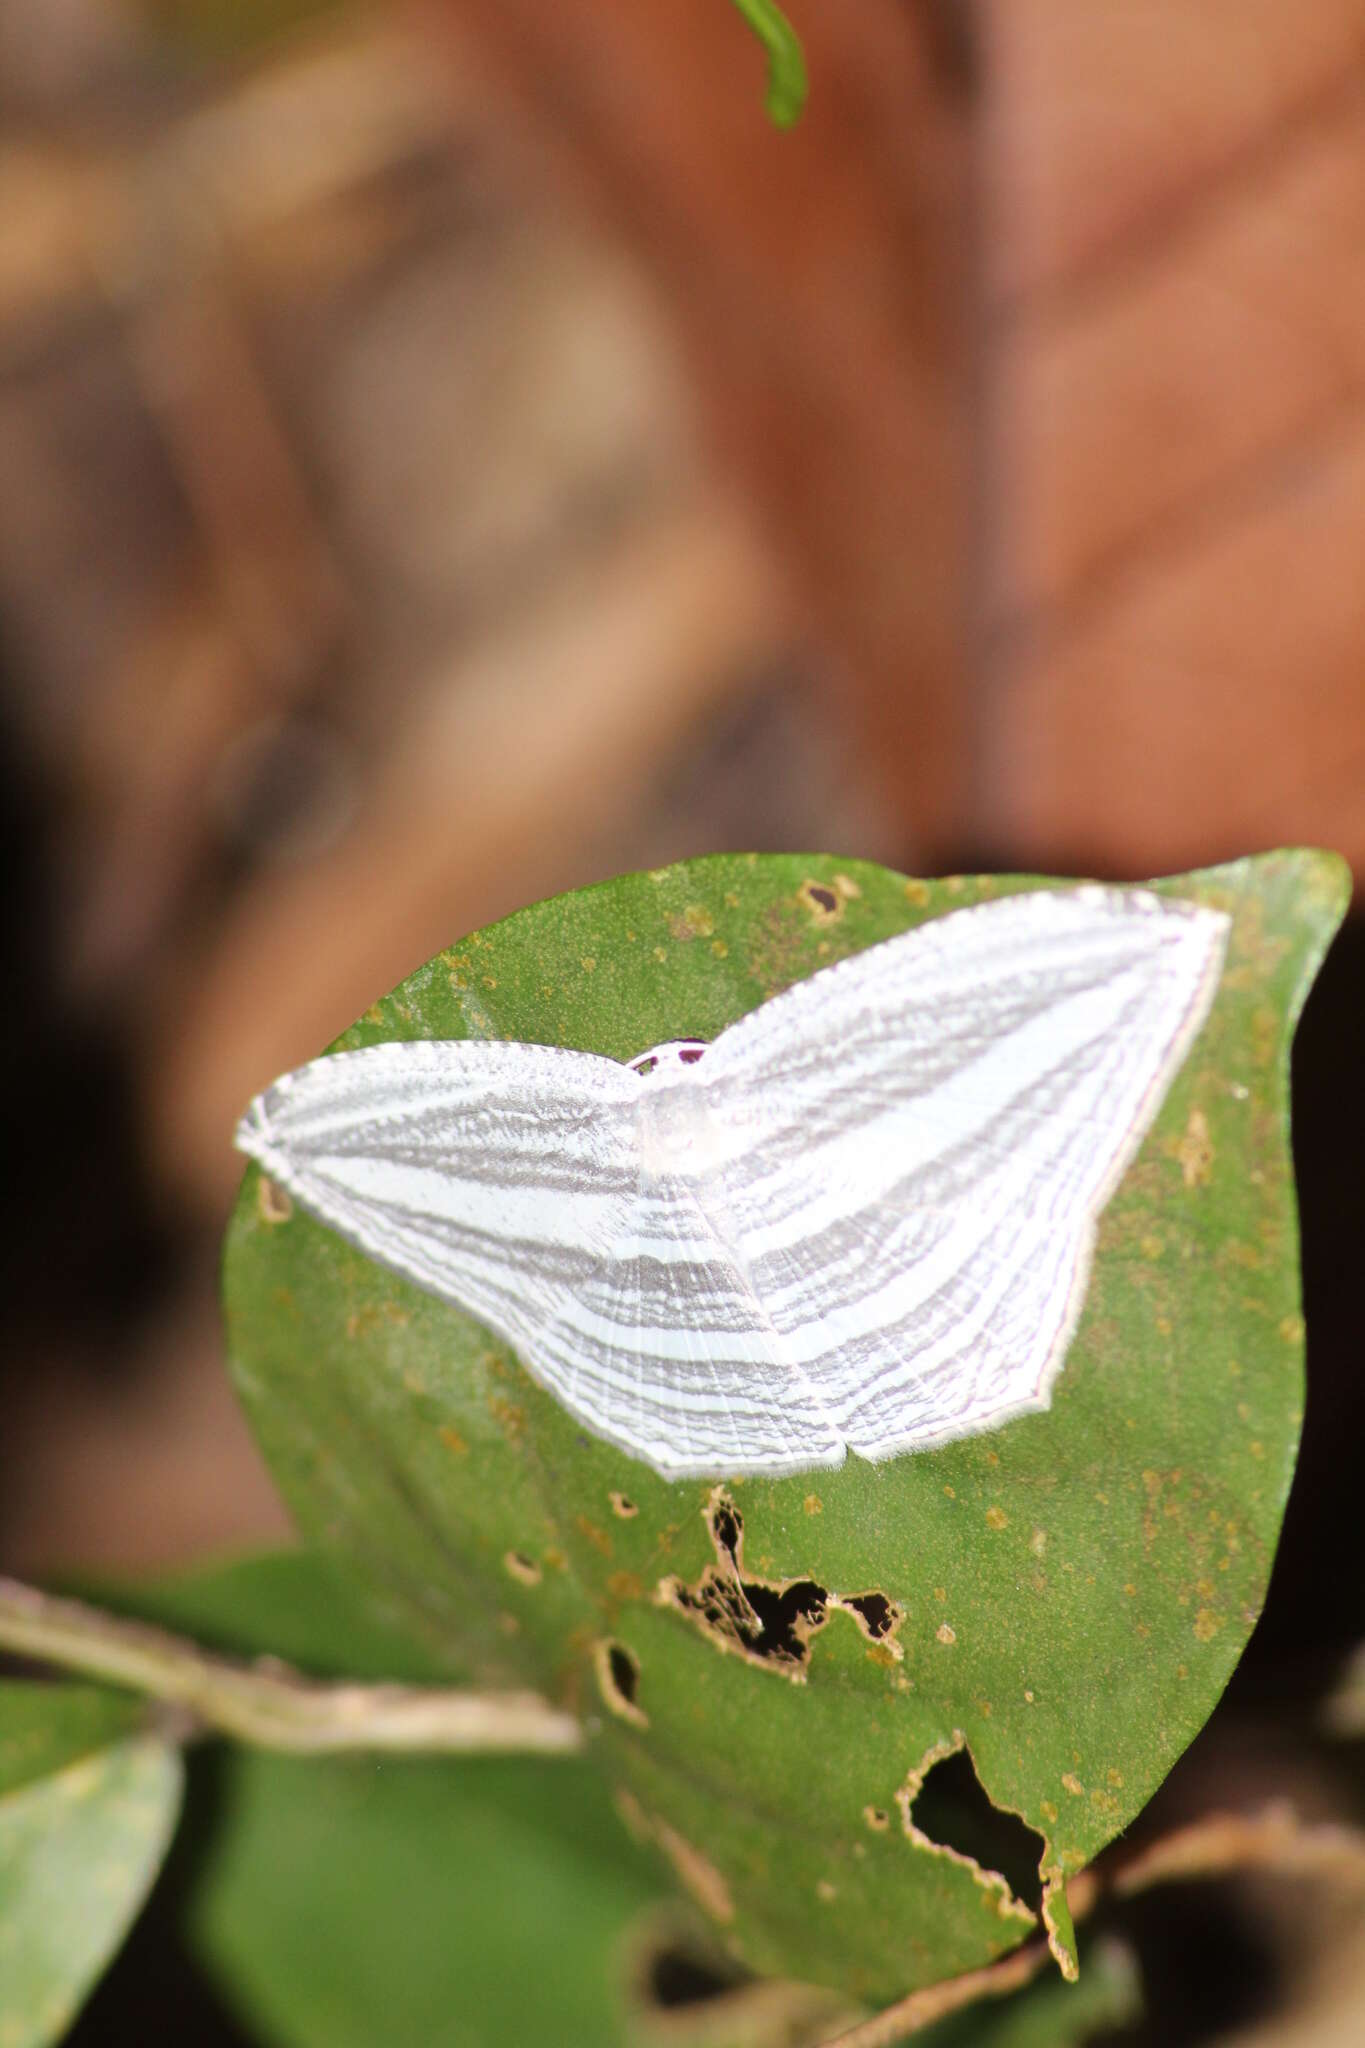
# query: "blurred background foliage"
[[456, 450]]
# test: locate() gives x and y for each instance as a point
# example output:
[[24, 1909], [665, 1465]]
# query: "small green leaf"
[[82, 1835], [43, 1728], [1064, 1597], [787, 83]]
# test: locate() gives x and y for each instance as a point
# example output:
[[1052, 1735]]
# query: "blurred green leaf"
[[86, 1815], [787, 82], [291, 1604], [421, 1904], [1076, 1587], [43, 1728]]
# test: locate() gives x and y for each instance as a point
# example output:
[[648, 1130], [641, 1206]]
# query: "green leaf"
[[1073, 1589], [787, 83], [419, 1903], [43, 1728], [86, 1814]]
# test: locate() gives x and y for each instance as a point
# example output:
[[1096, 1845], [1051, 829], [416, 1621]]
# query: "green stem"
[[787, 84], [271, 1706]]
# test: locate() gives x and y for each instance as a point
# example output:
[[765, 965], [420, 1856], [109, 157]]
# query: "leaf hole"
[[685, 1991], [953, 1810], [769, 1623], [618, 1679], [522, 1568], [821, 901], [878, 1614], [623, 1505], [678, 1978]]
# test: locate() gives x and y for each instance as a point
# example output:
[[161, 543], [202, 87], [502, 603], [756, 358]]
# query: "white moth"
[[862, 1218]]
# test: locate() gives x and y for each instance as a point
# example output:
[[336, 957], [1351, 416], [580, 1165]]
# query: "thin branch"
[[271, 1706], [1224, 1844], [898, 2022]]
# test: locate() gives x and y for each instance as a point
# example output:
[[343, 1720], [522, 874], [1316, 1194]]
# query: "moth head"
[[665, 1059]]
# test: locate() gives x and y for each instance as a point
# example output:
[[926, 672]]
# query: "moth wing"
[[922, 1139], [505, 1179], [496, 1176], [673, 1359]]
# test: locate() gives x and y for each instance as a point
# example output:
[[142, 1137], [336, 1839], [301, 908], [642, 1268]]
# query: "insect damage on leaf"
[[769, 1622], [945, 1806], [618, 1681]]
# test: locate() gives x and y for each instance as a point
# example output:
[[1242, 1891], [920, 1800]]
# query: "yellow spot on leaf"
[[813, 1504], [1195, 1150], [273, 1202], [509, 1418], [1207, 1624], [695, 922], [996, 1518], [598, 1538], [945, 1634], [453, 1441]]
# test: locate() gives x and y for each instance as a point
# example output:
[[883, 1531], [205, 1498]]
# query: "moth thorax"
[[677, 1132]]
